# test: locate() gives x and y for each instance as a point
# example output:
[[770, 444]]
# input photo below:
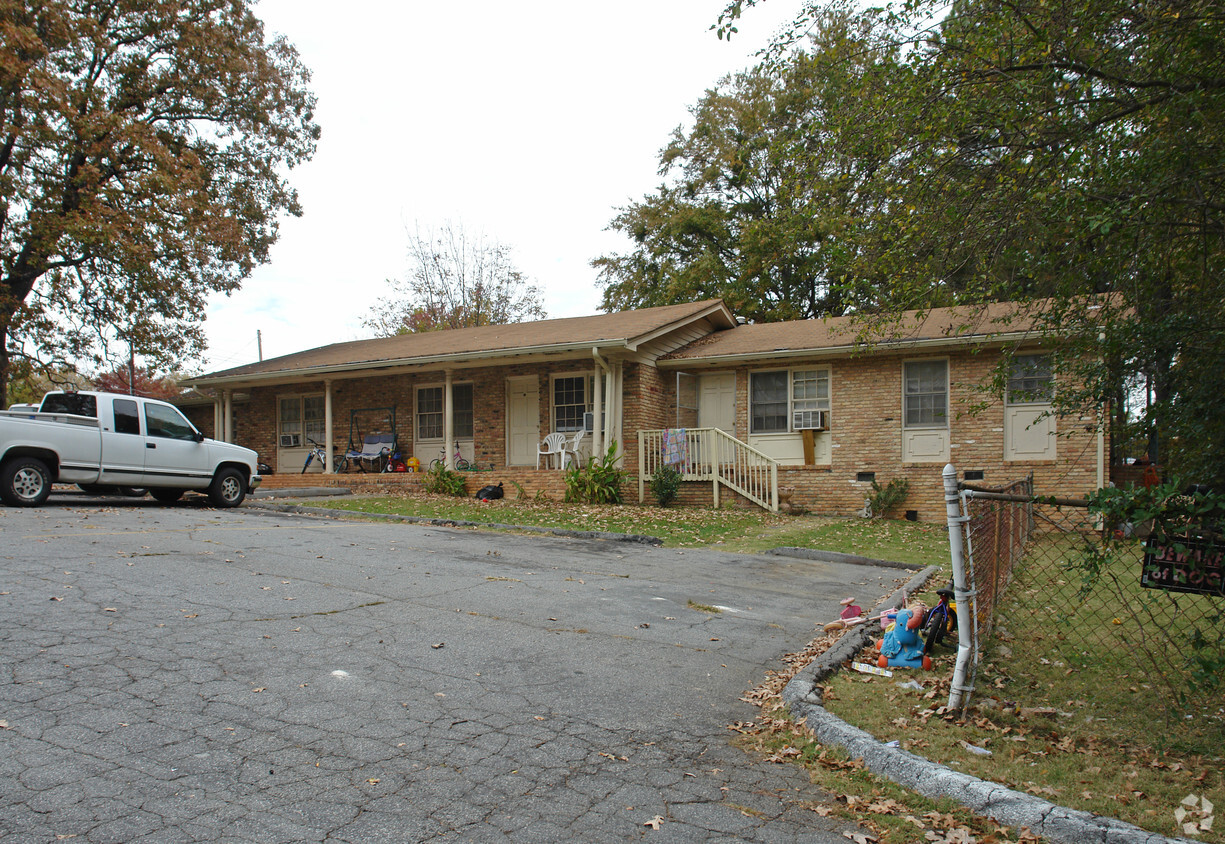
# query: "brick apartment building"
[[828, 412]]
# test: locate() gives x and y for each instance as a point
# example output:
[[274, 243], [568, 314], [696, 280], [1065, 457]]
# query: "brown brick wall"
[[866, 429], [866, 436]]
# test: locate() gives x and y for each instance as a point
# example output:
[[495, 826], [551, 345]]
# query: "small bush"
[[443, 481], [889, 497], [599, 482], [665, 484]]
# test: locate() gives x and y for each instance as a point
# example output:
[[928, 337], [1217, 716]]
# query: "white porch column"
[[610, 426], [228, 411], [329, 464], [448, 424], [618, 405], [218, 417], [597, 408]]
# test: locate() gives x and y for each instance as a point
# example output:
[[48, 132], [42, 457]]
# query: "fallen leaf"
[[655, 822]]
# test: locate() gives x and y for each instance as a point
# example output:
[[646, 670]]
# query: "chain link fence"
[[1070, 616]]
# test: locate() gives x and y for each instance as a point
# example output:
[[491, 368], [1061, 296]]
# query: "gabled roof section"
[[623, 330], [939, 327]]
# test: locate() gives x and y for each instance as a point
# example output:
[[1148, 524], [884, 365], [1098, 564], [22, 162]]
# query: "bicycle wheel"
[[340, 465], [436, 464], [934, 629], [462, 465], [309, 457]]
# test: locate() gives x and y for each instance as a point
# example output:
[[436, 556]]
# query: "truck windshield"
[[77, 404]]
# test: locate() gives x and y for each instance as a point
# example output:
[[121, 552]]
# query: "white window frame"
[[907, 395], [305, 430], [817, 403], [588, 400], [419, 415]]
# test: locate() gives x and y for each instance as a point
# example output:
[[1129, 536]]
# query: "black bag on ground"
[[489, 493]]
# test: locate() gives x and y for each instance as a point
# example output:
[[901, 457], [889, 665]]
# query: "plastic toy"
[[850, 609], [902, 646]]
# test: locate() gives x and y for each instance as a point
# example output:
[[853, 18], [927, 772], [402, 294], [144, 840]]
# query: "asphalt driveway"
[[186, 674]]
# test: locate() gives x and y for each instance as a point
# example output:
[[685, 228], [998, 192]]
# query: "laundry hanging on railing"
[[675, 446]]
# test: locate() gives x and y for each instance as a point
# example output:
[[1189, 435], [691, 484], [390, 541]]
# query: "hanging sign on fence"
[[1198, 567]]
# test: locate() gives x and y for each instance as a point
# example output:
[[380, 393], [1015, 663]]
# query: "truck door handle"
[[150, 445]]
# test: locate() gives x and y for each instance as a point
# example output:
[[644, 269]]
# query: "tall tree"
[[139, 381], [143, 154], [762, 189], [457, 279], [1066, 155]]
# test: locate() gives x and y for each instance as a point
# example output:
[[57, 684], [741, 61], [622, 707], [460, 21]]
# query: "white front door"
[[522, 420], [717, 401], [717, 409]]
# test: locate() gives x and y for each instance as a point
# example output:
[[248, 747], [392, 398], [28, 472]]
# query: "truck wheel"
[[229, 488], [166, 496], [24, 482]]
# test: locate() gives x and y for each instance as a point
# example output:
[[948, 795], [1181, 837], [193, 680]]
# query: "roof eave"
[[708, 361], [318, 372]]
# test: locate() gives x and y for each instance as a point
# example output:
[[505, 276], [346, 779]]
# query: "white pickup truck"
[[103, 441]]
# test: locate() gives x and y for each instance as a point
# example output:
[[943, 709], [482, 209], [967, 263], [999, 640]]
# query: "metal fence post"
[[959, 695]]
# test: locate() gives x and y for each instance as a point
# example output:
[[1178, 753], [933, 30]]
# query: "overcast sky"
[[530, 122]]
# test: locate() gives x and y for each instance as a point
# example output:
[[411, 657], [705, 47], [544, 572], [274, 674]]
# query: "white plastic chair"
[[554, 443], [572, 450]]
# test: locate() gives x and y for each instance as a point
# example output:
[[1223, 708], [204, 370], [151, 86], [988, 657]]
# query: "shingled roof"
[[839, 335], [626, 329]]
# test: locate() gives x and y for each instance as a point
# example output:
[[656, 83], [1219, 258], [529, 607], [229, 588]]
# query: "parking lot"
[[187, 674]]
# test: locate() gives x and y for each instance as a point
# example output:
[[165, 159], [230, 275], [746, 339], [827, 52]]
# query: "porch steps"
[[713, 456]]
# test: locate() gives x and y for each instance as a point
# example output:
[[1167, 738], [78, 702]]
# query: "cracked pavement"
[[186, 674]]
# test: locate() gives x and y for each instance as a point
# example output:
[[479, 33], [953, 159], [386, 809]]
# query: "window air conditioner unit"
[[810, 420], [290, 441], [588, 422]]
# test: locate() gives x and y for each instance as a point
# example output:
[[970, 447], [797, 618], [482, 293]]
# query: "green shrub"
[[665, 484], [599, 482], [443, 481], [887, 498]]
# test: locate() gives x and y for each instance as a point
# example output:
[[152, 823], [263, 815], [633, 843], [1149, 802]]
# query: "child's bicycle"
[[339, 463], [940, 619], [316, 453], [440, 462]]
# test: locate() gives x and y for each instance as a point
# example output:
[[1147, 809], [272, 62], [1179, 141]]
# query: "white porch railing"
[[710, 454]]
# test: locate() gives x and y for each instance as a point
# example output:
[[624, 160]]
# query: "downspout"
[[600, 443]]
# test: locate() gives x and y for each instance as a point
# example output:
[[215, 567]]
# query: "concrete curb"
[[836, 557], [1008, 807], [635, 538], [301, 492]]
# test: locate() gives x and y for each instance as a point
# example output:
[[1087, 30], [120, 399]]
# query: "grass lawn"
[[749, 531], [1071, 736]]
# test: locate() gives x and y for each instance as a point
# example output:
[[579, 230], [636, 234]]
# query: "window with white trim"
[[788, 400], [571, 396], [430, 412], [301, 420], [925, 400], [1031, 380]]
